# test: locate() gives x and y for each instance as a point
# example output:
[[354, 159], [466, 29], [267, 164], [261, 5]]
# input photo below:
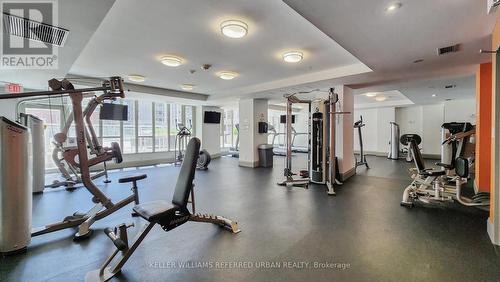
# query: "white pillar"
[[493, 223], [345, 132], [251, 112], [209, 133]]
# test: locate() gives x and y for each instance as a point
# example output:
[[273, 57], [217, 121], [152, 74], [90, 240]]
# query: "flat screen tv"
[[211, 117], [113, 112], [283, 118]]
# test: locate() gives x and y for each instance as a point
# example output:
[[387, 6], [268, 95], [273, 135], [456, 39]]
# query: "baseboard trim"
[[348, 174], [248, 164], [491, 232]]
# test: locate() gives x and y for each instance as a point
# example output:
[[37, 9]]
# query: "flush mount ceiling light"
[[434, 95], [187, 87], [136, 78], [380, 98], [393, 7], [293, 56], [234, 28], [227, 75], [171, 61], [371, 94]]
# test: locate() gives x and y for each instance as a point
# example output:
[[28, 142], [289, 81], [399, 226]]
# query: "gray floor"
[[362, 227]]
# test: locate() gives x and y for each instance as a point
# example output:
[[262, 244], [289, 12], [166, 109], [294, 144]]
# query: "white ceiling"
[[388, 43], [82, 19], [394, 98], [135, 34]]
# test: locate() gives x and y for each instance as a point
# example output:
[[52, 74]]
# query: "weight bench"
[[167, 215]]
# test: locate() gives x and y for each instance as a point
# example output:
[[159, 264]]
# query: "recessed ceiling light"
[[136, 78], [371, 94], [187, 87], [227, 75], [293, 56], [380, 98], [171, 61], [234, 28], [434, 95], [393, 7]]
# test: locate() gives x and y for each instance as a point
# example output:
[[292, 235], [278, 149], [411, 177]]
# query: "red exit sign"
[[13, 88]]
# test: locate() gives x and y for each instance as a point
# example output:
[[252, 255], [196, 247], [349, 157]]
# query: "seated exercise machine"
[[432, 186], [181, 140], [362, 158], [322, 162], [167, 215], [62, 153], [103, 206], [405, 141]]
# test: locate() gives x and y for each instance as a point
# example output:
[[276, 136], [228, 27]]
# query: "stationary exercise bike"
[[181, 140]]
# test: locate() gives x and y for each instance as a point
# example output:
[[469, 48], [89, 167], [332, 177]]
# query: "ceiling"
[[82, 25], [355, 43], [133, 36], [394, 98]]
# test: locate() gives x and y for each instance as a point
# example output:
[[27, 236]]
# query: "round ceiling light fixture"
[[187, 87], [293, 56], [136, 78], [380, 98], [234, 28], [371, 94], [171, 61], [393, 7], [227, 75]]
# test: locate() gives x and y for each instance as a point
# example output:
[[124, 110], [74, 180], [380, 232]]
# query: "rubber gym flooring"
[[362, 234]]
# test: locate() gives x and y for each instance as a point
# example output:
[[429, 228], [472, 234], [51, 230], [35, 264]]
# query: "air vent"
[[450, 86], [34, 30], [448, 49]]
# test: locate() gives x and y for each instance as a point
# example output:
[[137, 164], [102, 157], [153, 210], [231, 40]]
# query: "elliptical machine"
[[181, 140], [362, 158]]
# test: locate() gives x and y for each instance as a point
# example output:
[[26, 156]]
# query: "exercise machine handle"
[[118, 242]]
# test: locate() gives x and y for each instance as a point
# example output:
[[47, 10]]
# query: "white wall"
[[209, 133], [8, 108], [460, 111], [376, 131], [424, 120], [251, 112]]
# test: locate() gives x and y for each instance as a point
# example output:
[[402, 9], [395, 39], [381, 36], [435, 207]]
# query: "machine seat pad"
[[447, 166], [433, 172], [132, 178], [156, 210]]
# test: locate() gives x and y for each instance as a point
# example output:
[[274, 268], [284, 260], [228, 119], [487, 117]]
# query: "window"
[[52, 121], [229, 133], [129, 140], [161, 127], [175, 121], [144, 126], [151, 126], [111, 132]]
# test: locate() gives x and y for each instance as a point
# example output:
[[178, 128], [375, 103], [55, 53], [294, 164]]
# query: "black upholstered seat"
[[159, 210], [156, 210], [132, 178], [419, 161]]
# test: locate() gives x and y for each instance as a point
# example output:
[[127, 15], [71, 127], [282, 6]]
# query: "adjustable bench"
[[168, 215]]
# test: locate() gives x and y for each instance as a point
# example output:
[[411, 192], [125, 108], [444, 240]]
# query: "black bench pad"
[[156, 210], [132, 178]]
